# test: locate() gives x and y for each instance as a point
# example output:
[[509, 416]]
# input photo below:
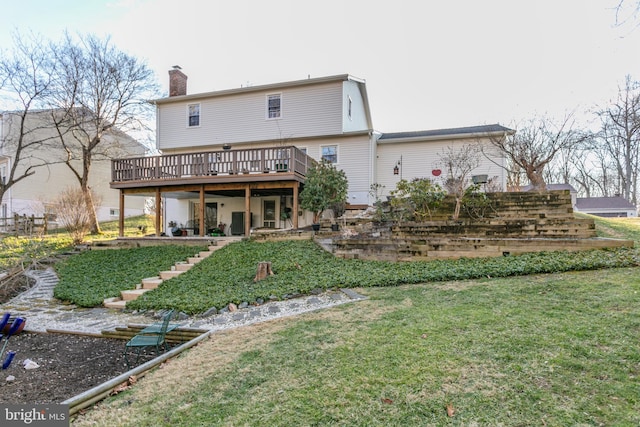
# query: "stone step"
[[194, 260], [183, 266], [130, 295], [151, 282], [205, 254], [166, 275], [115, 303]]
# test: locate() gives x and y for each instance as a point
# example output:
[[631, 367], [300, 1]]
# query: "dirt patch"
[[68, 366]]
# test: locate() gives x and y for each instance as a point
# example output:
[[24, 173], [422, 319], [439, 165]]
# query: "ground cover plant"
[[552, 349], [302, 266], [88, 278]]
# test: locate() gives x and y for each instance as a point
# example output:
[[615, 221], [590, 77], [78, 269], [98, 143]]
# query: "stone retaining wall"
[[516, 223]]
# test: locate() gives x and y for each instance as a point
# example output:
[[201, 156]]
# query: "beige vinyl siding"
[[307, 111], [353, 157], [419, 159], [358, 120], [354, 154], [28, 195]]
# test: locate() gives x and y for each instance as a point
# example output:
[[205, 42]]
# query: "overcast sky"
[[428, 64]]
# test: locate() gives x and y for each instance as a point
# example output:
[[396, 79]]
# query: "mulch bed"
[[68, 364]]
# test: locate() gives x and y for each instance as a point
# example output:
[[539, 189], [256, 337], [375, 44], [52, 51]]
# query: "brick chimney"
[[177, 82]]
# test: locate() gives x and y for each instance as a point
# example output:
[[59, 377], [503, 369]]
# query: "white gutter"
[[441, 137]]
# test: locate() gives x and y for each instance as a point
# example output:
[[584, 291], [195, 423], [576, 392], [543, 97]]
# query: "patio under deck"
[[230, 172]]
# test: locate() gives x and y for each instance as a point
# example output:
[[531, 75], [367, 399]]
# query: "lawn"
[[555, 349], [540, 349]]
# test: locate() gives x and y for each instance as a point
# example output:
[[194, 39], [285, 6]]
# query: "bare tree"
[[459, 164], [24, 86], [100, 92], [533, 146], [594, 172], [627, 11], [620, 137]]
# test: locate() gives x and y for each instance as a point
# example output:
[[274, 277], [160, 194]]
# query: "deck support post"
[[121, 215], [158, 212], [294, 214], [247, 210], [201, 225]]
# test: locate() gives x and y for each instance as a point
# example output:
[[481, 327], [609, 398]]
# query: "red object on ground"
[[5, 331]]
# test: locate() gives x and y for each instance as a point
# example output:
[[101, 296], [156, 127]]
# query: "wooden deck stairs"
[[150, 283]]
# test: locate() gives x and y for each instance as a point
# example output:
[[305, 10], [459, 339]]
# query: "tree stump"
[[264, 270]]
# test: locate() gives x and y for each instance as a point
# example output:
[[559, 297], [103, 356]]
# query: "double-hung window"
[[194, 115], [330, 153], [274, 106]]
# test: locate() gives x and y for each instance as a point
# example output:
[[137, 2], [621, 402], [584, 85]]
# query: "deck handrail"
[[211, 163]]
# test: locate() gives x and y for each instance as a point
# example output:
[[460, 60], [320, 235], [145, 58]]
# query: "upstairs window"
[[194, 115], [330, 153], [274, 106]]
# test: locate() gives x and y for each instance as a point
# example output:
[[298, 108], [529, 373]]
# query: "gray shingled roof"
[[603, 203], [551, 187], [446, 132]]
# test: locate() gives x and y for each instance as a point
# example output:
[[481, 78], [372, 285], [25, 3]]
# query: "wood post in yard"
[[264, 270]]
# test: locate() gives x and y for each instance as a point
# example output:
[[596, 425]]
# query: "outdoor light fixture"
[[226, 147], [397, 169]]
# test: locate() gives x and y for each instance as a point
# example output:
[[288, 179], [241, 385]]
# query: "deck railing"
[[211, 163]]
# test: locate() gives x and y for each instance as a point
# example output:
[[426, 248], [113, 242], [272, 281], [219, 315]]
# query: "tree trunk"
[[95, 226], [535, 178], [264, 270]]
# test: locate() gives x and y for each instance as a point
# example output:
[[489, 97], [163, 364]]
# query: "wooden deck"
[[259, 164]]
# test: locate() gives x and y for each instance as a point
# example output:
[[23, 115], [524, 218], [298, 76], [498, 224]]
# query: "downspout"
[[373, 161]]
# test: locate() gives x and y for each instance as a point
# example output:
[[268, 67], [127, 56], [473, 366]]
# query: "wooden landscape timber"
[[515, 223]]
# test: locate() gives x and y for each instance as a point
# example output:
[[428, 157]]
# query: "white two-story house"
[[239, 157]]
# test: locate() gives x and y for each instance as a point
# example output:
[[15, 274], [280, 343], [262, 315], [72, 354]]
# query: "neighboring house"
[[557, 187], [606, 206], [35, 194], [239, 157]]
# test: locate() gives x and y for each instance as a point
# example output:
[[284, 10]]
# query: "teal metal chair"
[[151, 336]]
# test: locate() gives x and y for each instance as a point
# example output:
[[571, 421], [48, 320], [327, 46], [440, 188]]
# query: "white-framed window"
[[349, 105], [329, 153], [114, 212], [3, 174], [274, 106], [193, 113]]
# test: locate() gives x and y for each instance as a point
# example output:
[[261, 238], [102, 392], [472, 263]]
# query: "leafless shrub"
[[72, 212]]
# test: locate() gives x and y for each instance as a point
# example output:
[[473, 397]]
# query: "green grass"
[[617, 228], [25, 250], [556, 349], [131, 227]]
